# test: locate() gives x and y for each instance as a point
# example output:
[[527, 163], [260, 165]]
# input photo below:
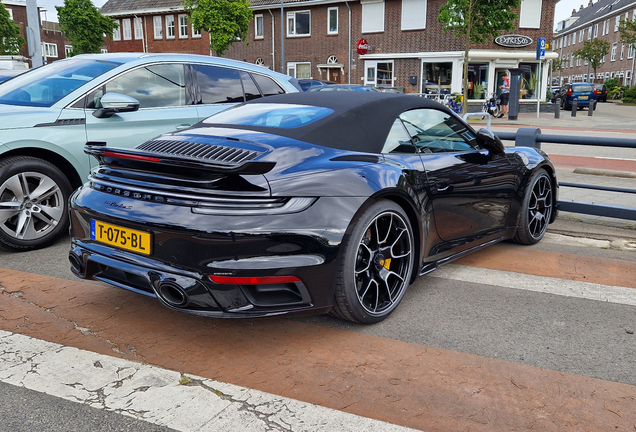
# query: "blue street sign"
[[541, 48]]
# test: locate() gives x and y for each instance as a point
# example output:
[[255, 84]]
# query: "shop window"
[[437, 78], [530, 14], [332, 20], [379, 73], [372, 16], [529, 82], [413, 14], [477, 80], [299, 23]]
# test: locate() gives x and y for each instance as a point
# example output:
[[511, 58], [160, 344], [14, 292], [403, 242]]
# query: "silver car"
[[121, 100]]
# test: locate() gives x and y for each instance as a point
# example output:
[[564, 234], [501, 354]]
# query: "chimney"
[[573, 11], [581, 8], [590, 3]]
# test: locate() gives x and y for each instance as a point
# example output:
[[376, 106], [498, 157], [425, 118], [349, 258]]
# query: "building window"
[[139, 32], [332, 20], [169, 26], [372, 16], [437, 78], [379, 73], [595, 30], [589, 33], [10, 13], [50, 49], [125, 23], [258, 27], [183, 26], [606, 27], [158, 27], [68, 49], [617, 23], [571, 60], [117, 31], [196, 33], [528, 80], [299, 23], [477, 80], [530, 14], [299, 70], [104, 51], [581, 36], [630, 51], [613, 56], [414, 14], [622, 51]]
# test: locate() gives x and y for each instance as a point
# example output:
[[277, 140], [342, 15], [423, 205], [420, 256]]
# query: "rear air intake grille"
[[222, 154]]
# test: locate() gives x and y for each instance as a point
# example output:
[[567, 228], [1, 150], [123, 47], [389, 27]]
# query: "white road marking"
[[161, 396], [543, 284]]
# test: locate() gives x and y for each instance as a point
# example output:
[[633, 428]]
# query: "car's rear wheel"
[[376, 265], [33, 203], [536, 210]]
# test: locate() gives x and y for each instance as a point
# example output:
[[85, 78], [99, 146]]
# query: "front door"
[[471, 192], [335, 75]]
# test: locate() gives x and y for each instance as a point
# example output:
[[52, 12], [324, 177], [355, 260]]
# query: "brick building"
[[402, 45], [598, 20], [54, 45]]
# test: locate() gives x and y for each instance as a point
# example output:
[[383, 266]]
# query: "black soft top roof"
[[360, 121]]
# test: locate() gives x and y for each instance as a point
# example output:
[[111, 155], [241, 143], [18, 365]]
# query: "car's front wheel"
[[376, 265], [33, 202], [536, 210]]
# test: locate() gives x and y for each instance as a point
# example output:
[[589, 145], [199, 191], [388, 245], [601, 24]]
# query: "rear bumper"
[[188, 248]]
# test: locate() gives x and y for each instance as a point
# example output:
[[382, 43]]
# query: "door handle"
[[442, 186], [182, 126]]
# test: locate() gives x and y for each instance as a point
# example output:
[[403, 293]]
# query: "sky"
[[562, 11]]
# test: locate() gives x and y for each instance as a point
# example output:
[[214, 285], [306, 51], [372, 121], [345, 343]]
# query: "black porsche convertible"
[[304, 203]]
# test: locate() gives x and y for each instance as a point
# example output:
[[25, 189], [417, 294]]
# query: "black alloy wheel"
[[33, 203], [536, 210], [377, 264]]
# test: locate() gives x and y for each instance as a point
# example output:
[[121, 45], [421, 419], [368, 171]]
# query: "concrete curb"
[[606, 173]]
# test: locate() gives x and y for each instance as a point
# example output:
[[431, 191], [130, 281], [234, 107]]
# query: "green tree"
[[10, 40], [83, 25], [628, 36], [593, 52], [226, 20], [475, 21]]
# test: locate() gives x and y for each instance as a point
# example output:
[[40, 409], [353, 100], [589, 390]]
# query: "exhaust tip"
[[172, 294], [77, 266]]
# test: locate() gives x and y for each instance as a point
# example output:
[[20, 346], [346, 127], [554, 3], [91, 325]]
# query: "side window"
[[219, 85], [434, 131], [251, 91], [153, 86], [398, 140], [267, 85]]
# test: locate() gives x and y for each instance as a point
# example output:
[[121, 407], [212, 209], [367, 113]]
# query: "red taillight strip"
[[264, 280], [130, 156]]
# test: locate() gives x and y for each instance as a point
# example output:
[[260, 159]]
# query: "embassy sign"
[[513, 41]]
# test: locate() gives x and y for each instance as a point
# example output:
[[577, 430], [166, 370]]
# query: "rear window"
[[582, 88], [284, 116]]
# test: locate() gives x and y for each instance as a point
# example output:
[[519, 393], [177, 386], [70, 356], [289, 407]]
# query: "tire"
[[536, 210], [34, 198], [371, 278]]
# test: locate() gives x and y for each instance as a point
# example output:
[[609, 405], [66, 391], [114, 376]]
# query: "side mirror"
[[115, 103], [491, 142]]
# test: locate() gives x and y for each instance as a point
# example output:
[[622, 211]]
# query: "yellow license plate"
[[583, 97], [123, 238]]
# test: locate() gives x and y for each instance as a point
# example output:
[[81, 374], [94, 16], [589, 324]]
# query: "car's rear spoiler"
[[108, 156]]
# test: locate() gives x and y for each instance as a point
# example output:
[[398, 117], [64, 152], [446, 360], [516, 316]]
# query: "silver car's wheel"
[[33, 203], [536, 210], [377, 266]]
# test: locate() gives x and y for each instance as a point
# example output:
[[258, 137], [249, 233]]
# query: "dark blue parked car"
[[584, 93]]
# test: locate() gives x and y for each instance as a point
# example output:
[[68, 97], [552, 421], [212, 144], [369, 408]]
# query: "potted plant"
[[532, 84], [479, 91]]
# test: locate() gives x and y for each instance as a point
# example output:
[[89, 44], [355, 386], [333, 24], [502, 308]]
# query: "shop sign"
[[362, 46], [513, 41]]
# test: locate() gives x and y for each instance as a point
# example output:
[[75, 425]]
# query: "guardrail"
[[532, 137]]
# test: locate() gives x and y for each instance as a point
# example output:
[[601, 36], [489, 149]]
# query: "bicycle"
[[492, 105], [454, 106]]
